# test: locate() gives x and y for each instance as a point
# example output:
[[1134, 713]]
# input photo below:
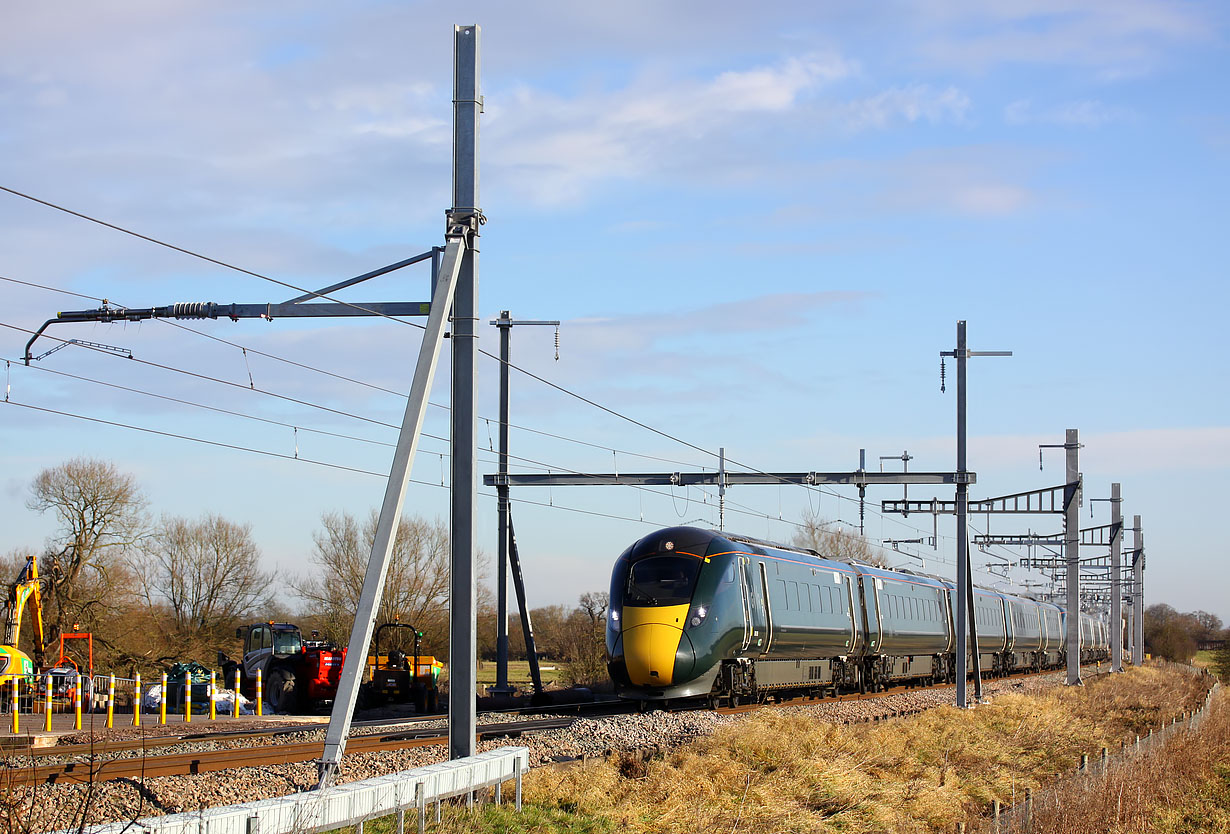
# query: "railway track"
[[96, 767], [104, 745], [179, 764]]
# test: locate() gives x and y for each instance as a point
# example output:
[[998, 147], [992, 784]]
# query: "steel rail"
[[180, 764], [103, 745], [177, 764]]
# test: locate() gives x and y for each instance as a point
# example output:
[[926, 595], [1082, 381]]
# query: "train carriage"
[[908, 626], [1025, 620], [706, 614], [1052, 634]]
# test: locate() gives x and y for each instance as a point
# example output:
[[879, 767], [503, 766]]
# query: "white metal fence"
[[352, 804]]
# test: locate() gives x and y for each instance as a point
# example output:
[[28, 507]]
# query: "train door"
[[856, 633], [768, 608], [755, 621]]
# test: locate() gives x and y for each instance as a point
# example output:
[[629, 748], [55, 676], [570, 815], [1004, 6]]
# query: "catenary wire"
[[266, 453], [215, 408], [390, 425], [303, 290], [207, 258], [524, 462], [326, 464], [524, 371], [532, 375], [50, 289], [352, 380], [305, 403]]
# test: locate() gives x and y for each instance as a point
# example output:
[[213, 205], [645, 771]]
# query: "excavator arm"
[[26, 590]]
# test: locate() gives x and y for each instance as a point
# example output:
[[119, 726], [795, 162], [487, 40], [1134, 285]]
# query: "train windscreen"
[[662, 580]]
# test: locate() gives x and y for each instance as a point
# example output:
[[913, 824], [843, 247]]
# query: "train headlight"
[[697, 615], [615, 616]]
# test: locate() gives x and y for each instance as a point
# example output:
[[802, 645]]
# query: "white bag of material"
[[224, 702], [153, 697]]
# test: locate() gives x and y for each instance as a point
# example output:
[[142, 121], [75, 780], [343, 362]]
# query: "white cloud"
[[917, 102], [556, 148], [1084, 113]]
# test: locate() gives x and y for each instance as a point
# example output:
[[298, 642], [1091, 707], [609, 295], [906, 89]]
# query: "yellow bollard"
[[16, 707], [136, 703], [47, 705], [235, 703], [162, 706], [77, 704], [259, 697], [213, 710], [111, 703], [187, 697]]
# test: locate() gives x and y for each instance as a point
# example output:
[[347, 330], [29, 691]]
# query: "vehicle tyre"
[[281, 690]]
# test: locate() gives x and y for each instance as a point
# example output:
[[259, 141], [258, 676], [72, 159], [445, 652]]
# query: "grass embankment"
[[785, 771], [1183, 788]]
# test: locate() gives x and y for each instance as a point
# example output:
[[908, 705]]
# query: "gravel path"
[[53, 807]]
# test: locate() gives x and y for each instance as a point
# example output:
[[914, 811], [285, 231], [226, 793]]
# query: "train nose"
[[656, 651]]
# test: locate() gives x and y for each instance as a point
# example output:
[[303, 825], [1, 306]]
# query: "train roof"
[[738, 538]]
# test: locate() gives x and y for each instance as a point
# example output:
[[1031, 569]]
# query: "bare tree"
[[576, 638], [416, 587], [832, 542], [594, 605], [204, 574], [1209, 626], [101, 515]]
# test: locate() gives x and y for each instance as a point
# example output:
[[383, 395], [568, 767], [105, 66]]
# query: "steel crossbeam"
[[1037, 501], [856, 478], [1101, 536]]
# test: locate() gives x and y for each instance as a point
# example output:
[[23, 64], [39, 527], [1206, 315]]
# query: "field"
[[780, 771], [518, 674]]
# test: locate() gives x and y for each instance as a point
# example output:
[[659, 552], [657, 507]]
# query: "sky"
[[757, 223]]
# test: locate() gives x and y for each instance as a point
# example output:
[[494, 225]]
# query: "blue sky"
[[758, 223]]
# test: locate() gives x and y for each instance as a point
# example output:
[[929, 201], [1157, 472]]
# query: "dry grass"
[[1183, 788], [784, 771]]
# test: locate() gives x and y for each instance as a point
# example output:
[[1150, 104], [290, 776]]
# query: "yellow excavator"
[[14, 663]]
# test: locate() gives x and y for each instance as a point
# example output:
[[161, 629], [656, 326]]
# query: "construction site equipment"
[[400, 678], [296, 674], [14, 663]]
